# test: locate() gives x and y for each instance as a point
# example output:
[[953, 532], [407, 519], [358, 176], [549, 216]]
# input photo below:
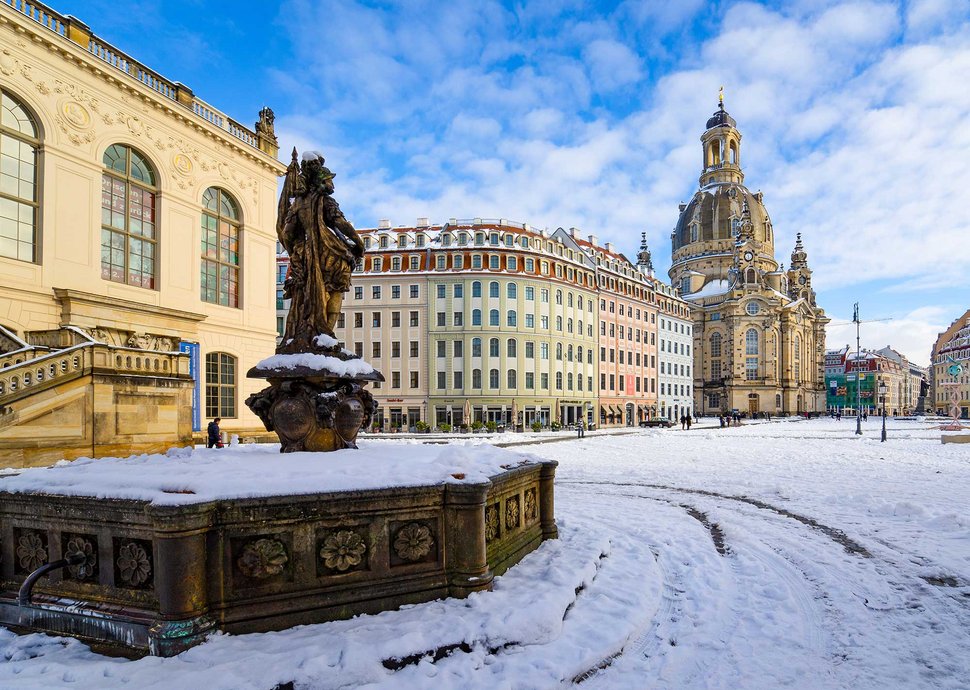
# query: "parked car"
[[666, 423]]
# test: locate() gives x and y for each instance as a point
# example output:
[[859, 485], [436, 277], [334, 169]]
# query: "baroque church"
[[759, 336]]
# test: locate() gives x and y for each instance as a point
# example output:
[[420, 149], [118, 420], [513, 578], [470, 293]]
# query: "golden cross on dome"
[[720, 96]]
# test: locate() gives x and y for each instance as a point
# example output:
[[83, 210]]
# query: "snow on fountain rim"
[[197, 475], [307, 360]]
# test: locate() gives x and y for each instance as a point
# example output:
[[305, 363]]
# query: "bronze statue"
[[323, 248], [316, 399]]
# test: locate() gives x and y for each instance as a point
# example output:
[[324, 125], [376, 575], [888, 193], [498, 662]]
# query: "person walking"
[[214, 434], [688, 421], [683, 422], [580, 429]]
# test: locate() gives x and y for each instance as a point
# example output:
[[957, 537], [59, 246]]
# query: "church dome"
[[720, 117], [715, 213]]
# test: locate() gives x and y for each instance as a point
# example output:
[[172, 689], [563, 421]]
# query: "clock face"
[[748, 256], [803, 280]]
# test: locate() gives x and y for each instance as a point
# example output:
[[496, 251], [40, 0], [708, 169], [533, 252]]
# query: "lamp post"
[[883, 389]]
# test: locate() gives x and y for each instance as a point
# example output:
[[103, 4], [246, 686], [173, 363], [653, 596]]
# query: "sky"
[[567, 113]]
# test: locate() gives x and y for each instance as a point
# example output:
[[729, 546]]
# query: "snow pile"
[[324, 363], [187, 475]]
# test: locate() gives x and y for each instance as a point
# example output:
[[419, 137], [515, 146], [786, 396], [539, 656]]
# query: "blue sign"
[[192, 349]]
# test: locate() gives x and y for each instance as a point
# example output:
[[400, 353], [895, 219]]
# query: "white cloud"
[[911, 334], [611, 64]]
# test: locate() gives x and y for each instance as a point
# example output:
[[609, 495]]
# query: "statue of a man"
[[323, 248]]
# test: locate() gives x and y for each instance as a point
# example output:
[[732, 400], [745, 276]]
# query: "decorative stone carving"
[[512, 512], [413, 542], [82, 546], [531, 505], [134, 564], [76, 114], [8, 65], [182, 164], [262, 558], [492, 528], [343, 550], [31, 550]]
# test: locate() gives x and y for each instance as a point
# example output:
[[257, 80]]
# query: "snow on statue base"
[[315, 401]]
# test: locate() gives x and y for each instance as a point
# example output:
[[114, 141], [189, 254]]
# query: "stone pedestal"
[[312, 403]]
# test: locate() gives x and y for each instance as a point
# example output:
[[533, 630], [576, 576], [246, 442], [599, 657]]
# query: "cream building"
[[136, 221], [948, 386], [759, 336]]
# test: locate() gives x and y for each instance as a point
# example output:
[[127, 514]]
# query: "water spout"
[[23, 597]]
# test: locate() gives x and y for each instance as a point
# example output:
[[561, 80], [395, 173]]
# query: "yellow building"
[[759, 335], [950, 369], [135, 221]]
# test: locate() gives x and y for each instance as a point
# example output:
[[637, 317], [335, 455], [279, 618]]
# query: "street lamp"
[[883, 389]]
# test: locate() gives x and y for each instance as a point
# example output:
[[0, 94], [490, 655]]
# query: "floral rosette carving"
[[413, 542], [134, 564], [491, 522], [343, 550], [79, 546], [531, 505], [512, 513], [31, 552], [262, 558]]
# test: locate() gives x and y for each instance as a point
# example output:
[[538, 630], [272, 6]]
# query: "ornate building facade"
[[137, 235], [949, 389], [495, 321], [759, 336]]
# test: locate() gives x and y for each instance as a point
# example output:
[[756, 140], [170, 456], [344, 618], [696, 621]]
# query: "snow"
[[311, 155], [324, 340], [785, 554], [710, 289], [306, 360], [196, 475]]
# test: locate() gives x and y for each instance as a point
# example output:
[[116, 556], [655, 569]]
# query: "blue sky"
[[567, 113]]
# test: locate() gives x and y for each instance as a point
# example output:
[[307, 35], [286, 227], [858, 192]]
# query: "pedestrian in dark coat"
[[215, 436]]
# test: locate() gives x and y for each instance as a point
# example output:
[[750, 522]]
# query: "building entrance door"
[[753, 404]]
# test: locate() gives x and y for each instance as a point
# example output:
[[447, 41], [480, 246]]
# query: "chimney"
[[422, 223], [593, 240], [574, 233], [609, 247], [384, 224]]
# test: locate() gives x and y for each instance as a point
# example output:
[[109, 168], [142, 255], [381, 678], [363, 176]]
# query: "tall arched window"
[[19, 140], [510, 375], [128, 239], [751, 342], [569, 381], [493, 317], [476, 347], [493, 289], [510, 318], [716, 345], [559, 380], [220, 385], [476, 317], [493, 378], [220, 248], [476, 289], [798, 359], [751, 352], [559, 351], [476, 378], [493, 347], [510, 347], [511, 290]]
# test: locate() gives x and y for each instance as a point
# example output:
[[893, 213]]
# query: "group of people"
[[685, 420], [726, 419]]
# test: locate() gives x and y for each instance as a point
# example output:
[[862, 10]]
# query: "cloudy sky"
[[855, 117]]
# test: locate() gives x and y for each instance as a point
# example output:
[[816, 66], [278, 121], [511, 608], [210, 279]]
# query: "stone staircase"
[[64, 395]]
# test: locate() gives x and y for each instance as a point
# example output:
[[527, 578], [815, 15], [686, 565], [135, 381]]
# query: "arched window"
[[716, 345], [751, 342], [476, 347], [476, 317], [19, 140], [559, 351], [569, 353], [493, 317], [128, 240], [558, 296], [733, 153], [220, 385], [510, 347], [510, 318], [798, 359], [476, 378], [569, 381], [220, 248], [511, 378], [493, 347], [493, 289], [749, 276], [579, 354], [476, 289], [559, 380], [510, 290], [493, 378], [558, 323]]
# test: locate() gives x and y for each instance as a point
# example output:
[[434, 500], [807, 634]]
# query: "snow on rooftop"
[[718, 286]]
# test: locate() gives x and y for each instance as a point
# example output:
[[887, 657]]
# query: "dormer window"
[[402, 240], [420, 240]]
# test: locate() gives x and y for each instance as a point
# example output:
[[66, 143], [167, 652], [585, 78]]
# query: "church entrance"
[[753, 404]]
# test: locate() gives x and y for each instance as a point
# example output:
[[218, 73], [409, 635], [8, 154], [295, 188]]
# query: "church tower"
[[759, 337]]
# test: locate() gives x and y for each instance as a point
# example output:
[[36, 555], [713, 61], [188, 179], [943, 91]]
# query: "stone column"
[[466, 563], [547, 504], [181, 578]]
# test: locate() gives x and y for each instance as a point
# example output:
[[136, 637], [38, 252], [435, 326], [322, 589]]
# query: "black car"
[[666, 423]]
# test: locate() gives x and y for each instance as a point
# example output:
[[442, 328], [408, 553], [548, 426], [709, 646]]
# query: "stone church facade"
[[759, 336]]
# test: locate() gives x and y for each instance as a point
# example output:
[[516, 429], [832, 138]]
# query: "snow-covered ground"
[[788, 554]]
